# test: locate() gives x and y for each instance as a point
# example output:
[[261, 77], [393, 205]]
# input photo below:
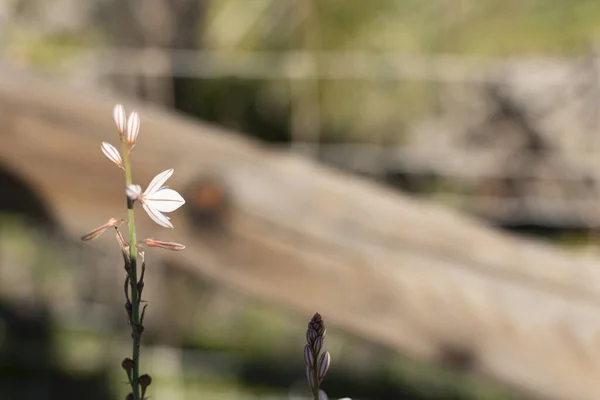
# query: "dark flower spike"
[[316, 366]]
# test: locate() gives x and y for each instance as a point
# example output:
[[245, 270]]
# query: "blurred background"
[[489, 108]]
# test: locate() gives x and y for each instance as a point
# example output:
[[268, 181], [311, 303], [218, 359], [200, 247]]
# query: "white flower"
[[133, 128], [120, 118], [112, 154], [158, 199]]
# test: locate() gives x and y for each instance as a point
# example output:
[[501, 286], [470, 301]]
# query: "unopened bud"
[[318, 344], [145, 381], [151, 242], [128, 365], [310, 378], [309, 357], [111, 223], [120, 118], [324, 362], [133, 192], [133, 128], [112, 154]]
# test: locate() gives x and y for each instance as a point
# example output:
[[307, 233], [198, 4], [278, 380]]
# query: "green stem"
[[135, 303]]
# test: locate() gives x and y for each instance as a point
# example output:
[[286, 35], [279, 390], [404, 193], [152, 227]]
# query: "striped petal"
[[112, 154], [157, 182], [157, 216], [133, 128], [165, 200], [120, 118]]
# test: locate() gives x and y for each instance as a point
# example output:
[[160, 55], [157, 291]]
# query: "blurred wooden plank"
[[415, 277]]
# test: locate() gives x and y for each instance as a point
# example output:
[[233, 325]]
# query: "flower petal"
[[112, 154], [156, 216], [133, 128], [120, 118], [158, 181], [165, 200]]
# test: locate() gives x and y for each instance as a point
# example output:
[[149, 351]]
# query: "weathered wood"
[[415, 277]]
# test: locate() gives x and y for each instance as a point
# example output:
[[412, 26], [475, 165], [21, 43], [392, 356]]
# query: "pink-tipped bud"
[[112, 154], [120, 118], [133, 192], [113, 222], [151, 242], [133, 128]]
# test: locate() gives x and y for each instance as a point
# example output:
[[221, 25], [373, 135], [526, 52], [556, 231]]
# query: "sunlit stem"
[[135, 303]]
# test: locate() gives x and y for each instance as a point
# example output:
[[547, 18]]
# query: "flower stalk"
[[136, 327], [155, 200]]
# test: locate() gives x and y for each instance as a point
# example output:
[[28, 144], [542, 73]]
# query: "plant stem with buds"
[[135, 301]]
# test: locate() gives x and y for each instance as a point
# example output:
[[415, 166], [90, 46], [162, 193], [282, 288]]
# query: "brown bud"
[[129, 396], [127, 365], [145, 381], [151, 242], [113, 222]]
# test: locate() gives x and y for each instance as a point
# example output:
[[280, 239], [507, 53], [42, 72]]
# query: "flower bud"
[[151, 242], [145, 381], [309, 357], [133, 192], [128, 365], [111, 223], [324, 362], [120, 118], [133, 128], [112, 154]]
